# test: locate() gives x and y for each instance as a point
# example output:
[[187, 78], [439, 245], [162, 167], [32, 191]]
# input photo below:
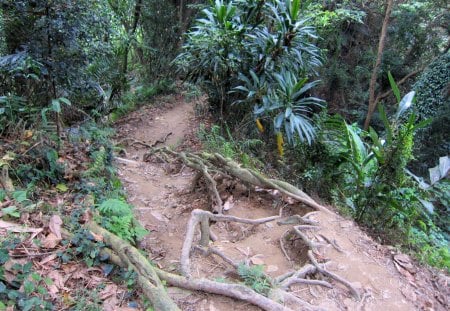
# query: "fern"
[[99, 162], [255, 278], [119, 219], [121, 226], [114, 207]]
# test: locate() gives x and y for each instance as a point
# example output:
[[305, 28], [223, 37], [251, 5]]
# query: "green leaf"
[[62, 188], [20, 195], [56, 106], [65, 101], [387, 125], [36, 277], [4, 256], [394, 86], [44, 115], [11, 211], [48, 281], [28, 287], [295, 8]]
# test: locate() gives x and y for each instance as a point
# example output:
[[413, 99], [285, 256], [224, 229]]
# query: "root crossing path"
[[312, 259]]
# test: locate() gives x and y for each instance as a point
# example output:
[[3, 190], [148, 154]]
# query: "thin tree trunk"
[[373, 79], [137, 15]]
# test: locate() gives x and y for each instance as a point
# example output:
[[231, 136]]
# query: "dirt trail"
[[158, 191]]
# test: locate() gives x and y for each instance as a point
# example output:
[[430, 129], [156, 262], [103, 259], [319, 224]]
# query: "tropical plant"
[[260, 53]]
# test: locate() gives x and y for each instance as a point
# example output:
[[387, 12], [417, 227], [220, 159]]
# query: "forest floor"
[[386, 279]]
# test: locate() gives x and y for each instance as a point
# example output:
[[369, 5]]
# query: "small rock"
[[256, 260]]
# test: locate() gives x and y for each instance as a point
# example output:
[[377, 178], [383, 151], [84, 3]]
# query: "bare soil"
[[387, 279]]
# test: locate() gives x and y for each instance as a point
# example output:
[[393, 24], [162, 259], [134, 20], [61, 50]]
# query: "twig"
[[32, 147]]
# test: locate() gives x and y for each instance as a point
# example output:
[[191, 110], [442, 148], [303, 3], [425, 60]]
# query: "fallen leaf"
[[272, 268], [80, 273], [61, 188], [55, 225], [51, 241], [27, 134], [108, 291], [57, 283], [48, 259], [229, 204]]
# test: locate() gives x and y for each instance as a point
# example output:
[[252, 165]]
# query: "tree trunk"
[[373, 79], [137, 15]]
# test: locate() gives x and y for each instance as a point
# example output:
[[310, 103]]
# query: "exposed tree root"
[[149, 278], [206, 163], [210, 167], [203, 218], [333, 276], [283, 248], [132, 259]]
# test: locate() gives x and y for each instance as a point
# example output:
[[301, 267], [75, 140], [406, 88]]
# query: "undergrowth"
[[81, 172], [255, 278], [242, 151]]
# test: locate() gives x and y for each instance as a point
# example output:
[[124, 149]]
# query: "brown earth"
[[386, 279]]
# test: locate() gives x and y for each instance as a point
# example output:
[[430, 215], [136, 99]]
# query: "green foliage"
[[260, 53], [350, 33], [433, 99], [366, 172], [42, 167], [83, 245], [56, 41], [242, 151], [255, 278], [87, 299], [21, 204], [117, 217], [432, 88], [27, 290], [99, 162], [160, 40]]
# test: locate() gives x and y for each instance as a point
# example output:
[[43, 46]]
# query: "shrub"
[[258, 53]]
